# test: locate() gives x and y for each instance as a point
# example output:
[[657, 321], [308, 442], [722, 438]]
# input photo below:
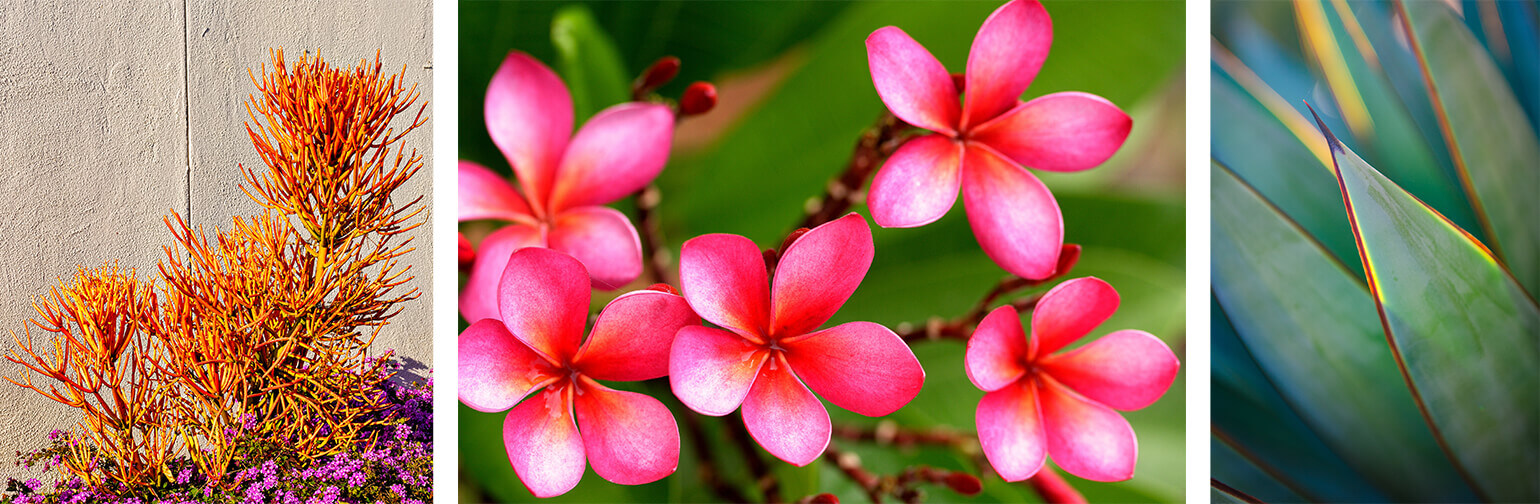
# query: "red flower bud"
[[660, 73], [663, 287], [964, 483], [824, 498], [698, 99], [1068, 256], [467, 253], [958, 80]]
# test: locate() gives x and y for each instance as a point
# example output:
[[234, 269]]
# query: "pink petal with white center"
[[1013, 215], [603, 240], [1086, 438], [786, 419], [911, 82], [1011, 431], [543, 298], [918, 184], [479, 301], [485, 195], [1069, 311], [997, 350], [613, 155], [1126, 370], [630, 438], [632, 337], [529, 116], [859, 366], [1006, 55], [543, 444], [1068, 131], [723, 277], [818, 273], [711, 370], [496, 369]]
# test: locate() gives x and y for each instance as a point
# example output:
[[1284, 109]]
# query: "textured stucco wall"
[[113, 113]]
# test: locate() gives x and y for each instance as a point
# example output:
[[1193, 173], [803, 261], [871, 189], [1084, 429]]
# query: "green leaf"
[[1379, 120], [1262, 432], [1311, 326], [588, 62], [1242, 476], [1262, 139], [1495, 147], [1463, 329]]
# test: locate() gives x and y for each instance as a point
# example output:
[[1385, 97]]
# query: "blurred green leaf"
[[1321, 344], [1462, 326], [1241, 475], [1494, 144], [588, 62], [1380, 122]]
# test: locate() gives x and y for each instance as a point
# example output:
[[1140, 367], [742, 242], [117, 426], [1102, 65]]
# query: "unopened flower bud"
[[663, 287], [964, 483], [660, 73], [1068, 256], [698, 99], [958, 80], [467, 252]]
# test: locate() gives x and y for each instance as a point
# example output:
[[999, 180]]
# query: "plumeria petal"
[[632, 337], [997, 350], [479, 301], [615, 154], [630, 438], [918, 184], [711, 370], [1086, 438], [1011, 431], [1126, 370], [1067, 131], [529, 116], [786, 419], [1006, 55], [543, 444], [859, 366], [543, 298], [1069, 311], [911, 81], [485, 195], [603, 240], [723, 277], [818, 273], [1013, 215], [496, 369]]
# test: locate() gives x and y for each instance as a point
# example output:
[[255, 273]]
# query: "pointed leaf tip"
[[1331, 140]]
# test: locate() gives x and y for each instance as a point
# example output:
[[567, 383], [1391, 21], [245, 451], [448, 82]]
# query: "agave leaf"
[[1264, 141], [1238, 480], [1310, 325], [1507, 30], [1380, 123], [588, 62], [1463, 329], [1260, 433], [1495, 148]]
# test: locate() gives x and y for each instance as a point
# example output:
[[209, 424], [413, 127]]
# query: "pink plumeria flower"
[[1040, 403], [564, 180], [769, 346], [982, 145], [629, 438]]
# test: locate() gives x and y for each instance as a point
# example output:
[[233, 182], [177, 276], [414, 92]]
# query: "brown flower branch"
[[904, 485], [889, 433], [707, 468], [765, 480], [875, 145], [655, 254], [961, 327]]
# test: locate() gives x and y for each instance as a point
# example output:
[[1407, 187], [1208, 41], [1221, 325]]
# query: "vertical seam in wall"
[[187, 109]]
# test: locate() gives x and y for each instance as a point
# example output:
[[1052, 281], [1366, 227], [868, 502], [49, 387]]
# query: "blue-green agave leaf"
[[1466, 335], [1265, 432], [1236, 479], [1495, 147], [1311, 327]]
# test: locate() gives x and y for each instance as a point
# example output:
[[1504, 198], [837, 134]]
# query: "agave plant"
[[1376, 335]]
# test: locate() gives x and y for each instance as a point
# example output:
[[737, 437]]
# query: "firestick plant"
[[765, 352]]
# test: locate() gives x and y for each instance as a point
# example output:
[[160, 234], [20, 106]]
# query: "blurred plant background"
[[795, 94], [1376, 352]]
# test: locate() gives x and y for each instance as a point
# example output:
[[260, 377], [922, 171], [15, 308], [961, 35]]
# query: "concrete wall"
[[113, 113]]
